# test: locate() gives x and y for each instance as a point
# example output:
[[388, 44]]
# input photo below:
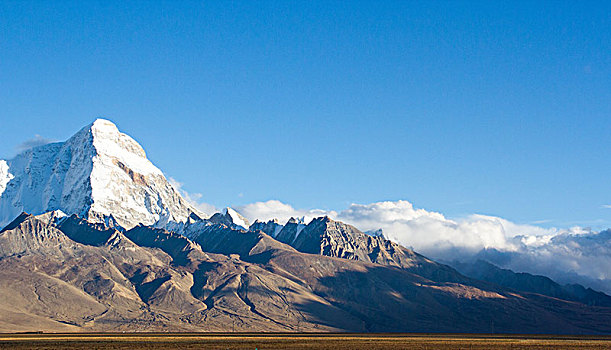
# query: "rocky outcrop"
[[291, 230], [231, 218], [333, 238], [325, 236], [271, 227]]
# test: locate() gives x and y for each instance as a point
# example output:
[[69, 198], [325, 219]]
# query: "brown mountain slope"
[[438, 293], [327, 237], [222, 280], [120, 285]]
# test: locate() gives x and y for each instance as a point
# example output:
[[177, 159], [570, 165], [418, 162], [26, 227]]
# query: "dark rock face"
[[290, 232], [230, 218], [82, 231], [219, 218], [271, 228], [15, 223]]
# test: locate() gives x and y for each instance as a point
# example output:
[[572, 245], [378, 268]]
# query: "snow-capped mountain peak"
[[231, 218], [236, 217], [99, 172], [110, 142]]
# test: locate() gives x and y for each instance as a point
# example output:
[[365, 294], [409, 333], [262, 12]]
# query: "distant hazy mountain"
[[526, 282], [564, 258]]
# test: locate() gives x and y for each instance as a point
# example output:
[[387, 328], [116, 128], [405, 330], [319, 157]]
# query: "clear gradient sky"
[[494, 107]]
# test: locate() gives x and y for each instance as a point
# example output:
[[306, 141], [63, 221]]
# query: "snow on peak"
[[236, 217], [5, 176], [103, 125], [108, 141], [298, 220], [297, 225], [99, 172]]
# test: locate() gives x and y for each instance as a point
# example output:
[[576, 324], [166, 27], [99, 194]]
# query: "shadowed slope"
[[527, 282]]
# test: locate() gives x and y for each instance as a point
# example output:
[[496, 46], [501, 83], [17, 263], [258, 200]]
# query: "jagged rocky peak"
[[236, 217], [271, 227], [48, 218], [328, 237], [376, 233], [98, 173], [34, 233], [231, 218], [291, 230], [298, 221], [16, 222]]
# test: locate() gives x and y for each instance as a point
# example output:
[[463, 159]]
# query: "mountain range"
[[95, 238]]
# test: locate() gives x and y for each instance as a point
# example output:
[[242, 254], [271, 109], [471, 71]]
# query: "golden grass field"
[[297, 341]]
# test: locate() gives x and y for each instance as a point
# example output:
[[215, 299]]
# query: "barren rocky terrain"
[[70, 275]]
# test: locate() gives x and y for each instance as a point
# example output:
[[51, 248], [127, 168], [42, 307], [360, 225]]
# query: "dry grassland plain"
[[298, 341]]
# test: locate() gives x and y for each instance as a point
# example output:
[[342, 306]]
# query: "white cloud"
[[528, 248], [424, 230], [575, 250], [606, 206], [193, 198], [36, 141], [274, 209]]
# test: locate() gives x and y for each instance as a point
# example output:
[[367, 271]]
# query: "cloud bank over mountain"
[[567, 255]]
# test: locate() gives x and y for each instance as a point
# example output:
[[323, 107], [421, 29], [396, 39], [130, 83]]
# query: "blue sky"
[[498, 108]]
